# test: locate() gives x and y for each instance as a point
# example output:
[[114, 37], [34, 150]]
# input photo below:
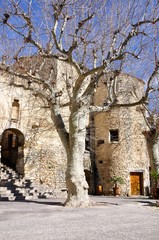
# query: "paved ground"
[[111, 219]]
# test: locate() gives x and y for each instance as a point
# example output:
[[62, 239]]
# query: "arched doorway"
[[12, 153], [88, 179]]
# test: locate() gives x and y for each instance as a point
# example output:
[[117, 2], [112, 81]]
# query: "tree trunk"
[[74, 144], [155, 152], [76, 182], [152, 138], [75, 177]]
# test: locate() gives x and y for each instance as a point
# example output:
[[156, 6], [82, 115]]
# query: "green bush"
[[154, 175], [116, 180]]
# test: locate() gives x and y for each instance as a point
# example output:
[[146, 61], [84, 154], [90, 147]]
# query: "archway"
[[88, 179], [12, 153]]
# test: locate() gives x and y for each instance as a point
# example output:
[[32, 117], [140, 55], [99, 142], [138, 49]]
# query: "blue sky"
[[112, 15]]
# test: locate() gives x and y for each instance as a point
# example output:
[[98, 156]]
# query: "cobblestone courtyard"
[[111, 218]]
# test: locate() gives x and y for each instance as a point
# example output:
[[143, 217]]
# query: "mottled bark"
[[155, 151], [152, 138], [75, 176]]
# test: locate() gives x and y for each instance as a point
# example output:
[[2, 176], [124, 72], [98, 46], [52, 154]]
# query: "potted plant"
[[117, 181]]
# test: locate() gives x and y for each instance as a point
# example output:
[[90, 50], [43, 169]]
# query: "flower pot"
[[116, 191]]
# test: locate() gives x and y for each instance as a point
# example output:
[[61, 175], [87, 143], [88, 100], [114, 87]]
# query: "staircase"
[[12, 187]]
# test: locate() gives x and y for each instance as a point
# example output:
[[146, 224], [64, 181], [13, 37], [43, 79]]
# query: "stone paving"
[[112, 218]]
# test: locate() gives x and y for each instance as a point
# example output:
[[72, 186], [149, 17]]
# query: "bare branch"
[[152, 21], [112, 105], [81, 23], [154, 73]]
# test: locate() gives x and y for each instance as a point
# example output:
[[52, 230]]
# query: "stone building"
[[118, 143], [29, 142], [31, 146]]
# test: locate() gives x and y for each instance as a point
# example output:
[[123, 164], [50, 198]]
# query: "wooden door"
[[136, 182]]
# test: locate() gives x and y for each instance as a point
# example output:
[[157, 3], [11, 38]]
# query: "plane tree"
[[92, 37]]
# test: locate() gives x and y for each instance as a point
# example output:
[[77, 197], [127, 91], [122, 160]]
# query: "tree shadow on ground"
[[148, 204], [53, 203], [37, 202]]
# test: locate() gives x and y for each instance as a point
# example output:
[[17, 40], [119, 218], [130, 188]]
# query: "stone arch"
[[12, 149]]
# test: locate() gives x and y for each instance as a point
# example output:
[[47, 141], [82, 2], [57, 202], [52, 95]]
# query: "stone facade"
[[42, 155], [29, 141], [29, 138], [119, 143]]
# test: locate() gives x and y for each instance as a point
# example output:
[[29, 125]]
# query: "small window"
[[99, 142], [114, 135], [15, 110]]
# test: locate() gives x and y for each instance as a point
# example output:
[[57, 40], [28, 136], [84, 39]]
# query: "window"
[[15, 110], [114, 135], [99, 142]]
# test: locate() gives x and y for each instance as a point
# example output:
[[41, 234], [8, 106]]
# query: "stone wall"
[[129, 153], [43, 156]]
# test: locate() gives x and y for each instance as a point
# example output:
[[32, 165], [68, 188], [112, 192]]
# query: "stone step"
[[13, 188], [27, 191], [3, 189], [4, 198], [11, 198], [6, 194], [19, 198]]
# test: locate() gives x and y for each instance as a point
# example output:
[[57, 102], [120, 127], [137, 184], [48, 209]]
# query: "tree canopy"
[[93, 37]]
